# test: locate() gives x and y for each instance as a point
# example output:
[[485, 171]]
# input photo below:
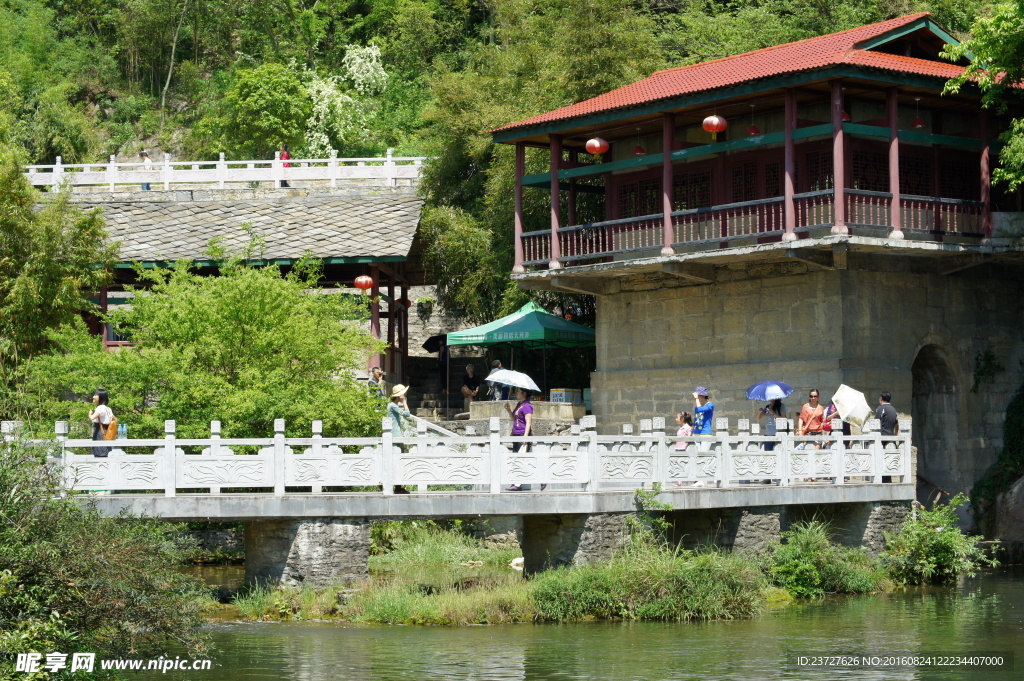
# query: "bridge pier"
[[754, 528], [571, 539], [316, 552]]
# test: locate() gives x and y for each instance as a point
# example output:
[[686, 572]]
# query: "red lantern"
[[753, 130], [918, 123], [597, 146], [364, 282], [845, 117], [715, 124], [568, 316]]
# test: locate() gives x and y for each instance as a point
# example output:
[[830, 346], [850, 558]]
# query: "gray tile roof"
[[329, 227]]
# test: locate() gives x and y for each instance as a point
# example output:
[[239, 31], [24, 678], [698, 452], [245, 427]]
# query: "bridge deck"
[[238, 507]]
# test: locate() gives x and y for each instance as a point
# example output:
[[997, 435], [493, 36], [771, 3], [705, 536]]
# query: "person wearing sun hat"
[[703, 415], [398, 410]]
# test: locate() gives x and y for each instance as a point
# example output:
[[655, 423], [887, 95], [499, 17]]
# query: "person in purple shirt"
[[522, 424]]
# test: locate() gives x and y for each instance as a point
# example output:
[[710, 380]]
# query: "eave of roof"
[[719, 77]]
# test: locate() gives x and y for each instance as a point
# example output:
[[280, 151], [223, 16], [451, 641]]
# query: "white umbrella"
[[513, 378], [852, 405]]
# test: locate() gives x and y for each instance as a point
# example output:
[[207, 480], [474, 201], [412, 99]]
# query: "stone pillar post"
[[316, 552], [571, 539]]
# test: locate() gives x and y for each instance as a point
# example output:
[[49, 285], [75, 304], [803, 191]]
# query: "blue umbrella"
[[769, 390]]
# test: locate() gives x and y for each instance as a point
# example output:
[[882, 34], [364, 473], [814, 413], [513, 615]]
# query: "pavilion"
[[817, 212]]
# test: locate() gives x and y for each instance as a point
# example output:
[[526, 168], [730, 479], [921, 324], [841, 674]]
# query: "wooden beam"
[[702, 274], [589, 286]]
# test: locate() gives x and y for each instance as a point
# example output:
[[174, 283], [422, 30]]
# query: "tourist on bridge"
[[703, 416], [398, 410], [812, 416], [770, 412], [888, 419], [147, 165], [104, 425], [285, 156], [522, 426]]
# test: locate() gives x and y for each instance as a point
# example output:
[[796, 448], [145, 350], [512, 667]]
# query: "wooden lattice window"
[[820, 171], [691, 190], [744, 179], [915, 176], [772, 179], [870, 170], [959, 179], [642, 197]]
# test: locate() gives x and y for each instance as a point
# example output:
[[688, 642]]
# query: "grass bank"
[[425, 573]]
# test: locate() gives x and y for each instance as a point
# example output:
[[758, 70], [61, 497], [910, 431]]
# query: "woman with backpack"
[[104, 424]]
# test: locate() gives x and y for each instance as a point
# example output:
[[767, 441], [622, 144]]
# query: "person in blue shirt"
[[703, 415]]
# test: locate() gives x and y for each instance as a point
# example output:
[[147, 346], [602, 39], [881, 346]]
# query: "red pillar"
[[789, 208], [574, 157], [556, 208], [986, 177], [892, 108], [392, 309], [403, 333], [375, 312], [668, 128], [838, 161], [520, 171]]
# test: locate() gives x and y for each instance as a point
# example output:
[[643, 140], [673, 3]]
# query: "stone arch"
[[936, 409]]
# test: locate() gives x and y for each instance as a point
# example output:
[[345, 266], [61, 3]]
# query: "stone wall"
[[571, 539], [318, 552], [886, 323]]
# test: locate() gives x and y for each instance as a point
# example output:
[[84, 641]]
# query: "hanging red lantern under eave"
[[363, 282], [715, 124], [918, 123], [597, 146], [753, 130]]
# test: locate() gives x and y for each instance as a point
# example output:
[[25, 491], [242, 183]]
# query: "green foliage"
[[653, 584], [996, 67], [246, 347], [48, 264], [268, 106], [931, 549], [72, 580], [986, 366], [1009, 466], [807, 563], [425, 543]]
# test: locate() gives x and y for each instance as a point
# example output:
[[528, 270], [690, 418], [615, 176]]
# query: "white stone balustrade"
[[582, 461], [223, 173]]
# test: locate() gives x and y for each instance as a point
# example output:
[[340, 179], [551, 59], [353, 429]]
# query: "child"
[[685, 422]]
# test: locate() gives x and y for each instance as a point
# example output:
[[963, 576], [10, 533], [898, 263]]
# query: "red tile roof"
[[803, 55]]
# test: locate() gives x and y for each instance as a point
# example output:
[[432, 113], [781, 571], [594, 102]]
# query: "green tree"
[[245, 348], [267, 105], [997, 68], [72, 580], [539, 56], [51, 258]]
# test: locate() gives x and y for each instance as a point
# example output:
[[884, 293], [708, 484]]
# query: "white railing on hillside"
[[224, 173], [582, 460]]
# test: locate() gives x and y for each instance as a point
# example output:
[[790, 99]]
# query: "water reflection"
[[984, 614]]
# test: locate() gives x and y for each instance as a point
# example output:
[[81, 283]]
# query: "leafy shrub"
[[931, 549], [653, 584], [808, 563]]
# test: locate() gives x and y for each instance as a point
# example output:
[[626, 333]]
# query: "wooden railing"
[[583, 460], [222, 173], [934, 215]]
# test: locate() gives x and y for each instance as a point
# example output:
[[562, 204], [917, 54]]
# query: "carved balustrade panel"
[[225, 471]]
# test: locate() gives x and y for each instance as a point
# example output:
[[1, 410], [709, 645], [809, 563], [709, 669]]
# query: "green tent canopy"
[[531, 326]]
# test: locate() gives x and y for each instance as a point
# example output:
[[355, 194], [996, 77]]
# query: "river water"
[[983, 615]]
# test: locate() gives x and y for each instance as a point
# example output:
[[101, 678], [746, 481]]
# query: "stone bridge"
[[308, 502]]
